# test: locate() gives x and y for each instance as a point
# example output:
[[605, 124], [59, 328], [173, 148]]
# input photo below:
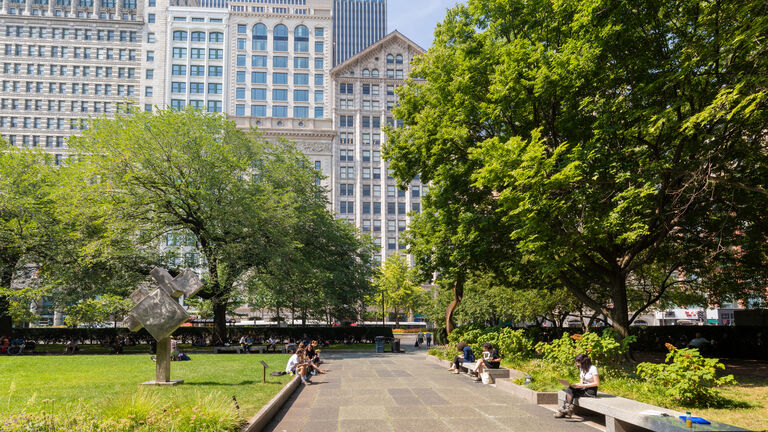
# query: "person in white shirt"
[[587, 387], [298, 365]]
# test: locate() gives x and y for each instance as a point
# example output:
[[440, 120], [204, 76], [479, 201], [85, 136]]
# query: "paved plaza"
[[403, 392]]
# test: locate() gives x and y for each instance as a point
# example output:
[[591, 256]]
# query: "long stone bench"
[[627, 415], [236, 348]]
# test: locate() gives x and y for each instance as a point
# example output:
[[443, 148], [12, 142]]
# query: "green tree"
[[397, 290], [28, 226], [91, 312], [187, 171], [603, 134]]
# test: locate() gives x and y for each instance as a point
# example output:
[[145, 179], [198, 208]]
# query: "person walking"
[[419, 339], [428, 336]]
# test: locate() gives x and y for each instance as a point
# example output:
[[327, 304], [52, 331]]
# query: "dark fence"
[[50, 335]]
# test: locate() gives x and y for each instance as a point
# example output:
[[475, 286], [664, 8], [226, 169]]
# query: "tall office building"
[[357, 24], [364, 192]]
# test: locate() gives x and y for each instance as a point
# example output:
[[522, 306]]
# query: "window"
[[279, 78], [366, 122], [318, 62], [301, 62], [301, 95], [401, 211], [376, 173], [301, 39], [279, 111], [280, 38], [241, 59], [150, 56], [416, 207], [150, 19], [214, 106], [240, 110], [179, 53], [178, 87], [366, 207], [198, 36], [241, 29], [319, 47], [240, 77], [415, 191], [240, 93], [280, 61], [347, 121], [150, 73], [318, 79], [216, 37], [241, 44], [215, 54], [258, 77], [197, 53], [398, 59], [366, 224], [391, 226], [366, 155], [214, 88], [366, 190], [197, 70], [366, 89], [300, 112], [346, 88], [148, 91], [390, 73], [301, 79], [196, 88], [376, 194], [366, 73], [318, 112], [179, 35], [318, 95], [177, 104], [258, 94], [215, 71], [259, 61], [178, 70], [258, 110], [366, 173], [279, 94], [390, 191], [390, 59], [259, 37], [319, 31]]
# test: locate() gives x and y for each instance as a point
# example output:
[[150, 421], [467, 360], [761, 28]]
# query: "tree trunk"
[[458, 294], [219, 319], [6, 322], [620, 312]]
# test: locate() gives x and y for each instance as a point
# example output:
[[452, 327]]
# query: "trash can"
[[395, 345], [380, 344]]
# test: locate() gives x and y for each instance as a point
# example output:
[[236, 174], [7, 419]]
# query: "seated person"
[[291, 346], [296, 366], [698, 342], [587, 387], [5, 343], [174, 349], [310, 358], [491, 360], [246, 342], [73, 346], [271, 344], [465, 356]]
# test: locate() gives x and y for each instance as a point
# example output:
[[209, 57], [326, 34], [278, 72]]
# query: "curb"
[[268, 411]]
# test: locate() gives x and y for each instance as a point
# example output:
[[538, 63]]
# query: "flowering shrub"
[[605, 349], [687, 376], [510, 343]]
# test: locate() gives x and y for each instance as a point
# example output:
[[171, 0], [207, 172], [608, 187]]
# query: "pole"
[[163, 361], [263, 374]]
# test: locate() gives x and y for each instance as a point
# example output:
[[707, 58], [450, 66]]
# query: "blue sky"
[[416, 19]]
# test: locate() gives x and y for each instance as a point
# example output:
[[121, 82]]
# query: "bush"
[[511, 343], [605, 349], [687, 376]]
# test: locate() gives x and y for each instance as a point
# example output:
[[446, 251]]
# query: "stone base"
[[163, 383]]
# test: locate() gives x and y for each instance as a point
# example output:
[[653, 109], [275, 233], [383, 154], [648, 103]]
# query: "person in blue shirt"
[[465, 356]]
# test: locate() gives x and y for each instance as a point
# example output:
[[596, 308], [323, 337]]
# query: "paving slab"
[[402, 392]]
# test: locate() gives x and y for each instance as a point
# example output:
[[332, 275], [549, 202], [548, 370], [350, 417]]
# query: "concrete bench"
[[627, 415], [236, 348], [493, 373]]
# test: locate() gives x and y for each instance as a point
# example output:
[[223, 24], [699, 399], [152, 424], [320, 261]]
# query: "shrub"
[[687, 376], [605, 349]]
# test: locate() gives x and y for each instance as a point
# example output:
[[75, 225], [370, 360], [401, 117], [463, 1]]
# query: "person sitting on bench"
[[465, 356], [297, 365], [587, 387], [491, 360]]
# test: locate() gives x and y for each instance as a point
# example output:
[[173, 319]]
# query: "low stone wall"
[[531, 396], [268, 411]]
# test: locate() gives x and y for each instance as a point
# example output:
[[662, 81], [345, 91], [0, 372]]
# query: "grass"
[[106, 391]]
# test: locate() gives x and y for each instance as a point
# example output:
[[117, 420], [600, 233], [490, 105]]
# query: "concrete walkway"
[[402, 392]]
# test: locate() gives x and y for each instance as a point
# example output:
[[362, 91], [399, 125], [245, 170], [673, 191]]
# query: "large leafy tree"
[[28, 226], [605, 135], [187, 171], [397, 289]]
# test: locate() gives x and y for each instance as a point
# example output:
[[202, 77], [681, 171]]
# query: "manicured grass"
[[108, 387]]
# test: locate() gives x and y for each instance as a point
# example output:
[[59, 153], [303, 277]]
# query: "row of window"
[[278, 61], [41, 51], [367, 89], [198, 53], [197, 36], [72, 34], [38, 141], [61, 88], [63, 70], [348, 155], [59, 105], [255, 110], [348, 207]]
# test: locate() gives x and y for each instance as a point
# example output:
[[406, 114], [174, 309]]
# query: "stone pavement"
[[402, 392]]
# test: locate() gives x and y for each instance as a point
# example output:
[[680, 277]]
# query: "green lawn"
[[106, 390]]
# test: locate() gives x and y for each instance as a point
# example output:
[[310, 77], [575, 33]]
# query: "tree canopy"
[[599, 138]]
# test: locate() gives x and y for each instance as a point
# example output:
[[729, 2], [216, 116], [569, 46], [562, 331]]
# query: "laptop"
[[564, 382]]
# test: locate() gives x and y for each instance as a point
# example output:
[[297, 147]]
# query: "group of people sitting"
[[491, 360], [305, 362]]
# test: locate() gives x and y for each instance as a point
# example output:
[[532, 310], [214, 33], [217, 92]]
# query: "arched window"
[[366, 73], [301, 39], [280, 38], [399, 59], [375, 73], [390, 59], [260, 37], [198, 36], [216, 37], [179, 35]]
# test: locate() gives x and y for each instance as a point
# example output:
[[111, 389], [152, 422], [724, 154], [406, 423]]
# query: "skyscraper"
[[356, 25]]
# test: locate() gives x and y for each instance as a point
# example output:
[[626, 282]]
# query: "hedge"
[[51, 335]]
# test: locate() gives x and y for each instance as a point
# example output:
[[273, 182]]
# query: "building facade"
[[357, 24], [364, 192]]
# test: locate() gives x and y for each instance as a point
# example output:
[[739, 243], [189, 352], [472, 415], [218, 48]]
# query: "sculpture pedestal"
[[163, 365]]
